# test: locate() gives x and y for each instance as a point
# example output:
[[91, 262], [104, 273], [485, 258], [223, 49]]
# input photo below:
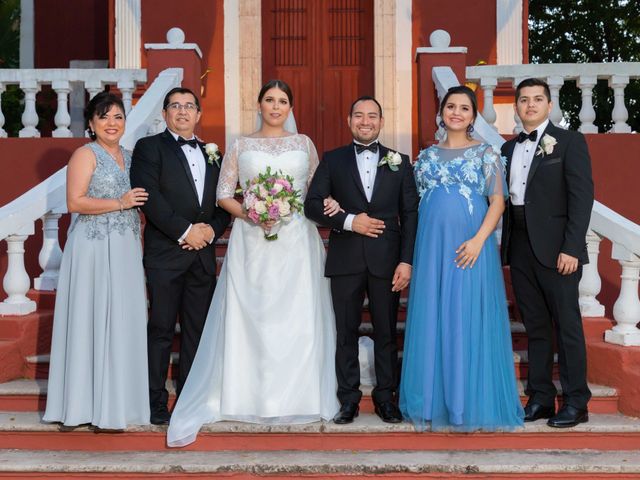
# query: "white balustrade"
[[620, 113], [590, 283], [62, 118], [29, 116], [586, 75], [92, 80], [488, 85], [16, 281], [50, 255], [555, 84], [3, 132], [626, 310]]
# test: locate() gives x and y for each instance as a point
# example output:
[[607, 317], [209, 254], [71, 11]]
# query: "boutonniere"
[[392, 159], [546, 145], [213, 152]]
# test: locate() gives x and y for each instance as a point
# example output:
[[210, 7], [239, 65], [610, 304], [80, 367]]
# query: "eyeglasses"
[[190, 107]]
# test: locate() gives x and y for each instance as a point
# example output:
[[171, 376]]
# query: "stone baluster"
[[555, 84], [94, 87], [50, 255], [620, 113], [126, 87], [16, 281], [62, 118], [626, 310], [29, 116], [3, 132], [518, 123], [488, 85], [590, 283], [587, 113], [157, 126]]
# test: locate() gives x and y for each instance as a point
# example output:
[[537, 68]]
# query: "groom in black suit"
[[182, 224], [543, 241], [370, 251]]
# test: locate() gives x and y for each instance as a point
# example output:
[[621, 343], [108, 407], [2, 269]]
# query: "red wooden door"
[[324, 50]]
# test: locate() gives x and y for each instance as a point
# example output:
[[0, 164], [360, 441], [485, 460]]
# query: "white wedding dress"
[[267, 350]]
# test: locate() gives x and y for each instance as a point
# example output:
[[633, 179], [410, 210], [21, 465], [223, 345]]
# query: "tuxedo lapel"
[[353, 167], [537, 158], [181, 157]]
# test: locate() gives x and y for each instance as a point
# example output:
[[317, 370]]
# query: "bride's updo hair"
[[280, 85]]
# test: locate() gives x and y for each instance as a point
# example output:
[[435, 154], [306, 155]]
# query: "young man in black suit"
[[543, 241], [370, 251], [182, 224]]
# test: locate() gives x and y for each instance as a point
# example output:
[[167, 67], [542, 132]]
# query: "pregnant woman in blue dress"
[[458, 371]]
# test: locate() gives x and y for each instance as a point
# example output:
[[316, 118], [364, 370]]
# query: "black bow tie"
[[373, 147], [193, 143], [527, 136]]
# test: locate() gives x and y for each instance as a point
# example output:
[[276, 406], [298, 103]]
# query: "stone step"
[[605, 432], [27, 395], [326, 465]]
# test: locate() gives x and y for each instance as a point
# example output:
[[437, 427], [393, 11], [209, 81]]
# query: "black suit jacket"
[[394, 200], [160, 166], [558, 199]]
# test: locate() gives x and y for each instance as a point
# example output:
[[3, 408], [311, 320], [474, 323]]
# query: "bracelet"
[[121, 205]]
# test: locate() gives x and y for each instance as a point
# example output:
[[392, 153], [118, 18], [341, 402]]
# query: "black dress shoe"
[[388, 412], [160, 416], [568, 416], [535, 411], [348, 411]]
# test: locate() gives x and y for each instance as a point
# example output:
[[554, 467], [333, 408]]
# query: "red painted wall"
[[70, 30], [203, 23]]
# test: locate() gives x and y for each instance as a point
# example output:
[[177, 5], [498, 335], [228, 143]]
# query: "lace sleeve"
[[313, 159], [228, 180], [493, 168]]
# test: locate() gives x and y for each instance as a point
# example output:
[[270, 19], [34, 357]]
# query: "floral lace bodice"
[[471, 172], [294, 155], [109, 181]]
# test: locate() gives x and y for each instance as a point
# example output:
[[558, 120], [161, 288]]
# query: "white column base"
[[626, 339], [20, 308], [590, 307], [43, 282]]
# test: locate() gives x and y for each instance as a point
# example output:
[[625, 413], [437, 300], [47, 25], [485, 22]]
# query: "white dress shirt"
[[198, 167], [521, 160], [367, 162]]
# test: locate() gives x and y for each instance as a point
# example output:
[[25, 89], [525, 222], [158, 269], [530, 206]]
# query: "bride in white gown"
[[267, 350]]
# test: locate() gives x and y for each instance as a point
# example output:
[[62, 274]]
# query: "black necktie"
[[193, 143], [373, 147], [527, 136]]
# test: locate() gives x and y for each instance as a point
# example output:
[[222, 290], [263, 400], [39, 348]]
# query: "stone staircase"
[[606, 447]]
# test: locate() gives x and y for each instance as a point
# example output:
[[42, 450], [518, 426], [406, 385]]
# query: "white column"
[[128, 31], [26, 34], [620, 113], [29, 116], [509, 32], [50, 255], [62, 118], [94, 86], [626, 310], [590, 283], [518, 126], [403, 75], [587, 113], [16, 281], [3, 132], [488, 85], [555, 84]]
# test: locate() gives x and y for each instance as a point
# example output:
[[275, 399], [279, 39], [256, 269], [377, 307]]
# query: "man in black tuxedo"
[[543, 241], [370, 250], [182, 224]]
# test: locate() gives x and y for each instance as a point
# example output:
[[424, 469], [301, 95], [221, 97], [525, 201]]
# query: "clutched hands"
[[198, 237], [331, 206]]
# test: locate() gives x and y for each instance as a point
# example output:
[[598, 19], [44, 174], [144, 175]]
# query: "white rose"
[[395, 159], [277, 188], [283, 207], [211, 148], [260, 207]]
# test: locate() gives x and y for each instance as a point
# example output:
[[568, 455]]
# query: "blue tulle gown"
[[458, 371]]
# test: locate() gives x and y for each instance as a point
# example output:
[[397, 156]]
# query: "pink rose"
[[253, 216], [274, 212], [285, 184]]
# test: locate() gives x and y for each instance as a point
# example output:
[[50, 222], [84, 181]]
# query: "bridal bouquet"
[[271, 197]]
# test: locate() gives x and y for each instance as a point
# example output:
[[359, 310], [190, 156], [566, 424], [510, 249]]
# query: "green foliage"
[[9, 33], [581, 31]]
